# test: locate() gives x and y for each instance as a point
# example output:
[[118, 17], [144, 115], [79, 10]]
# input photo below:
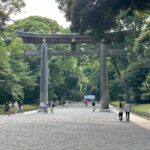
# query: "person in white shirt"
[[127, 109], [16, 107], [120, 110], [43, 107]]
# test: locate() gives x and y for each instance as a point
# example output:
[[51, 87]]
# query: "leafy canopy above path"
[[98, 16]]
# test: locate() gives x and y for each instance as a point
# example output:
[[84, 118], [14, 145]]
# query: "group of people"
[[44, 107], [126, 108], [121, 109], [13, 108], [93, 103]]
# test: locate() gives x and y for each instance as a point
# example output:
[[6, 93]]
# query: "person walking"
[[10, 108], [43, 107], [16, 105], [93, 105], [6, 108], [20, 107], [127, 109], [66, 103], [120, 110], [52, 107], [85, 101]]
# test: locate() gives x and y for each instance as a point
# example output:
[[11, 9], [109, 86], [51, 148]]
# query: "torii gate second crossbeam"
[[45, 39]]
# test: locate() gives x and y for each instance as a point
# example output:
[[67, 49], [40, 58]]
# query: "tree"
[[98, 16], [142, 45], [133, 78], [145, 89], [36, 24], [71, 86], [7, 8], [19, 75], [4, 72], [142, 51]]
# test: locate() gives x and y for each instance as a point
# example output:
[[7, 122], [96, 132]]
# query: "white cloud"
[[44, 8]]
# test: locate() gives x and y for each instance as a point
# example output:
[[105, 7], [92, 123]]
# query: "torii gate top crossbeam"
[[65, 38], [55, 38]]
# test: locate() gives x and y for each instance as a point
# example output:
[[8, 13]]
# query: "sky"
[[43, 8]]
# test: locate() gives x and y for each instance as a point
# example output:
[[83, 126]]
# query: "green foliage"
[[91, 82], [4, 54], [19, 76], [135, 45], [133, 77], [142, 45], [98, 16], [65, 78], [2, 109], [7, 8], [36, 24], [116, 90], [145, 89]]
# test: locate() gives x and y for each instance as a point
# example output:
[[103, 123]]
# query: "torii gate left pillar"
[[44, 74], [104, 94]]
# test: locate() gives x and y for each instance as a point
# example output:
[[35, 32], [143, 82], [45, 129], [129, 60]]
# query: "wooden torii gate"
[[46, 39]]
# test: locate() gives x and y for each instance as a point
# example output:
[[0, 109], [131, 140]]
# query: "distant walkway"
[[74, 127]]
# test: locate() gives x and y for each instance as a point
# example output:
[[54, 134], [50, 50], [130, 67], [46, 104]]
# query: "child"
[[120, 109], [52, 108]]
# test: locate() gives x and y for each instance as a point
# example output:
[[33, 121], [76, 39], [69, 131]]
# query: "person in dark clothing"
[[120, 109], [6, 108], [93, 106], [52, 108]]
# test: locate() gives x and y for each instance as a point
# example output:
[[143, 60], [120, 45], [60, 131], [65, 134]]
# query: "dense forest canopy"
[[99, 16], [72, 77]]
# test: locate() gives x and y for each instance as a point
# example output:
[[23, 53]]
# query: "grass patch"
[[28, 107], [2, 109], [140, 109]]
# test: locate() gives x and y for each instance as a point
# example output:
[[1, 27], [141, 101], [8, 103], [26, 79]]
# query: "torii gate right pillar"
[[104, 95]]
